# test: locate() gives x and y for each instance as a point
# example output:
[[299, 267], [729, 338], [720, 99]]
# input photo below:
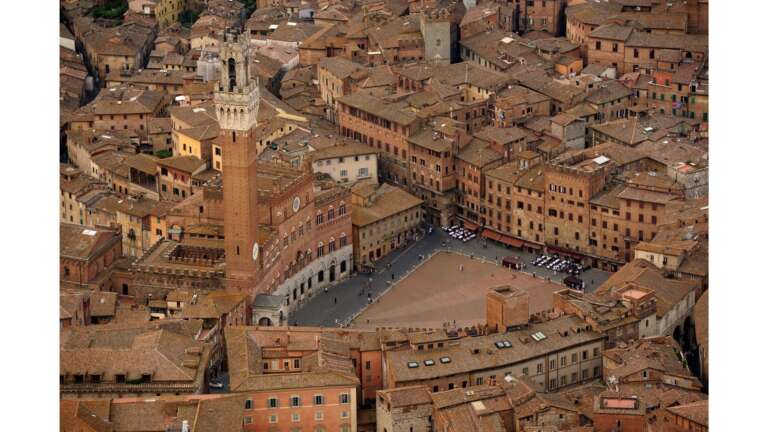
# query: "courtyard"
[[348, 299], [449, 288]]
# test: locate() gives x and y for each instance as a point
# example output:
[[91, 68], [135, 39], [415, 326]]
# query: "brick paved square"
[[438, 292]]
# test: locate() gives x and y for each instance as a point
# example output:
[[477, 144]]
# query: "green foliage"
[[250, 6], [188, 17], [162, 154], [112, 9]]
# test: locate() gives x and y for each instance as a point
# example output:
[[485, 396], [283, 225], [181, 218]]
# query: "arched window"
[[330, 214], [231, 73], [342, 209], [342, 240]]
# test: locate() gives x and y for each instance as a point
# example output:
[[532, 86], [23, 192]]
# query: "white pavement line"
[[394, 260], [392, 284]]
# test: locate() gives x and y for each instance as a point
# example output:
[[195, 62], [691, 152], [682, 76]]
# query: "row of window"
[[341, 160], [296, 417], [553, 383], [295, 401], [98, 378], [112, 117], [330, 214], [563, 190], [331, 245], [361, 172]]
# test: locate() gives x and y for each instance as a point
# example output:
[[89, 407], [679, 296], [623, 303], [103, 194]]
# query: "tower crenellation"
[[237, 94]]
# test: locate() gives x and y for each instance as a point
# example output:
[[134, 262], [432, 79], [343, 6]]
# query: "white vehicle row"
[[459, 233], [557, 264]]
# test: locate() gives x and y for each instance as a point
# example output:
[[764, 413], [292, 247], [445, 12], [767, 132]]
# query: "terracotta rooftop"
[[187, 164], [660, 353], [479, 154], [501, 135], [392, 111], [462, 359], [344, 148], [81, 243], [697, 412], [246, 373], [383, 202], [132, 351]]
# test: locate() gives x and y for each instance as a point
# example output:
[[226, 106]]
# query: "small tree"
[[162, 154], [112, 9], [188, 17]]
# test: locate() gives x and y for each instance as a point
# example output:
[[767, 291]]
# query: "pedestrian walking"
[[393, 276], [325, 290], [334, 300]]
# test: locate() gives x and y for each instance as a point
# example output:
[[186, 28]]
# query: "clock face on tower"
[[255, 251], [296, 204]]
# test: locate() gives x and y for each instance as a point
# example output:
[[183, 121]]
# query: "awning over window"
[[564, 253], [470, 225], [493, 235], [533, 245]]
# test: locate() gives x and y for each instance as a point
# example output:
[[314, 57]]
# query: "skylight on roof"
[[600, 160], [538, 336], [89, 232], [412, 365], [429, 362], [445, 360]]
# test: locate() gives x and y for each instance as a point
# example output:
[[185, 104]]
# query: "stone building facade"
[[282, 236], [404, 409]]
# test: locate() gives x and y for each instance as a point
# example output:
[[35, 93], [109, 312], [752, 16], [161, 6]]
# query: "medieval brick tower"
[[237, 105]]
